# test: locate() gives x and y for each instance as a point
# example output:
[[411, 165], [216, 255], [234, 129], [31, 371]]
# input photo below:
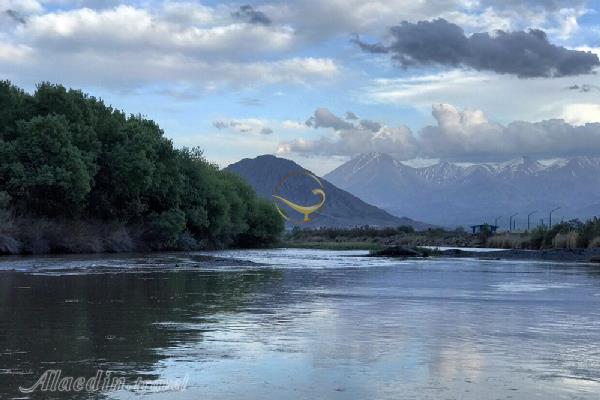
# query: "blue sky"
[[241, 79]]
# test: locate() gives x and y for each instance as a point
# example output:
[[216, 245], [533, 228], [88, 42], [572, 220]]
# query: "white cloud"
[[127, 28], [171, 43], [16, 54], [507, 98], [349, 139], [468, 135], [292, 125], [245, 126], [457, 135], [313, 18], [580, 114]]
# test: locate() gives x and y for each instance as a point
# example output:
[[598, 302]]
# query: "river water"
[[306, 324]]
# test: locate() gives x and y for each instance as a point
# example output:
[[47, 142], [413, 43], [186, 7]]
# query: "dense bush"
[[350, 233], [72, 167]]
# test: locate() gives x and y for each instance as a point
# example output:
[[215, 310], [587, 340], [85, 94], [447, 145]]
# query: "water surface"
[[306, 324]]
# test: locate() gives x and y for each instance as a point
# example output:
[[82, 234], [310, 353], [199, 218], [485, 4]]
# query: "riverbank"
[[120, 262], [558, 255]]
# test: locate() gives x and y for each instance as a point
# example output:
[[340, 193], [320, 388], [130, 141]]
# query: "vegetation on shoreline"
[[79, 176], [371, 238], [333, 245], [566, 235]]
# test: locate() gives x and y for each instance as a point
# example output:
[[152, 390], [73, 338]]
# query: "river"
[[301, 324]]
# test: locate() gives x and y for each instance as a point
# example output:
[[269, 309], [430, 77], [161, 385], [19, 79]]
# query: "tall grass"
[[565, 240], [508, 241], [566, 235]]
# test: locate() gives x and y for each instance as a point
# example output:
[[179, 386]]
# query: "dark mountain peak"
[[268, 159], [264, 173]]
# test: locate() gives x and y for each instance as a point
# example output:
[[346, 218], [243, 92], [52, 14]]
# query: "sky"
[[321, 81]]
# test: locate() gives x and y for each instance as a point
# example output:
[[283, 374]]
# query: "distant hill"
[[341, 209], [452, 194]]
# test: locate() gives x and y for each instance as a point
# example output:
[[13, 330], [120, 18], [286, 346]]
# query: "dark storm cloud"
[[220, 124], [266, 131], [16, 16], [370, 125], [249, 14], [524, 54], [585, 88], [350, 116], [323, 118]]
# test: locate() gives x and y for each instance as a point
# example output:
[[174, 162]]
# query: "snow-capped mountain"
[[455, 194], [441, 173]]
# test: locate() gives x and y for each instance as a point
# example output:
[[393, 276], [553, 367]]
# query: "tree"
[[48, 175], [65, 155]]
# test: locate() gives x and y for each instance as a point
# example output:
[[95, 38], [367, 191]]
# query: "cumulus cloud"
[[323, 118], [470, 136], [526, 54], [249, 14], [370, 125], [125, 28], [466, 135], [581, 113], [350, 139], [292, 125], [163, 43]]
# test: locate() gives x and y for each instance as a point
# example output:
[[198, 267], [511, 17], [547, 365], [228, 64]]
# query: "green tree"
[[48, 175], [65, 155]]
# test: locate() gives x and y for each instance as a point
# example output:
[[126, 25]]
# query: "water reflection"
[[312, 324], [82, 323]]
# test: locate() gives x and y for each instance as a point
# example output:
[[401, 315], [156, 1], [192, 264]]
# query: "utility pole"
[[550, 220], [496, 221], [528, 217], [510, 225]]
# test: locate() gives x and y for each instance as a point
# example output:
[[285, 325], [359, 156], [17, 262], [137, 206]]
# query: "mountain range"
[[266, 174], [453, 194]]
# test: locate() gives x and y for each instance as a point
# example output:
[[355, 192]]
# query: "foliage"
[[65, 156], [298, 234], [570, 234], [485, 233]]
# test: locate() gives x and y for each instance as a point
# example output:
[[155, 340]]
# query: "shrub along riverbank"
[[79, 176], [566, 235], [573, 234]]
